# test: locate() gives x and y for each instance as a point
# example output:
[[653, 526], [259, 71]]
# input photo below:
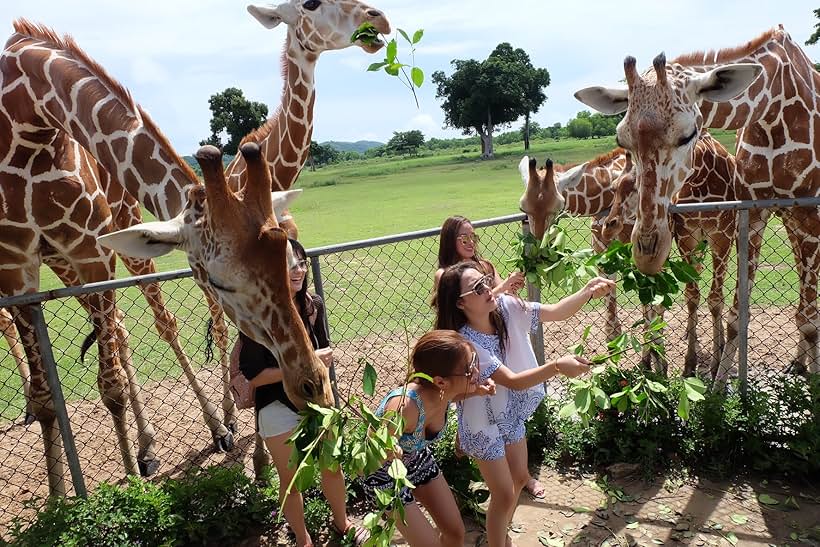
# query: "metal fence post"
[[57, 398], [743, 297], [320, 291], [534, 295]]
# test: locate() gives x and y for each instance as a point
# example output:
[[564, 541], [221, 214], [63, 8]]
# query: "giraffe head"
[[541, 201], [624, 203], [239, 254], [660, 128], [323, 25]]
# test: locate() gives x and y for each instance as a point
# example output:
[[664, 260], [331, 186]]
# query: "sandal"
[[535, 489], [358, 535]]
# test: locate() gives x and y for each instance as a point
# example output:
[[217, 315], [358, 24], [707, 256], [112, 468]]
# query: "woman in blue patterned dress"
[[451, 362], [491, 429]]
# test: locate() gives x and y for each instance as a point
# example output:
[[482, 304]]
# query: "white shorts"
[[276, 419]]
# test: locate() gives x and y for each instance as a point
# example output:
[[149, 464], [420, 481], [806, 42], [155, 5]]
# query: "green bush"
[[213, 506]]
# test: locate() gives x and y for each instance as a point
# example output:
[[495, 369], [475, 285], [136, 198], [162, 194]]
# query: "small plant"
[[368, 34]]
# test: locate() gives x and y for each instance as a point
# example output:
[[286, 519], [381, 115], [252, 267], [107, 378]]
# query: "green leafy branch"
[[391, 64], [635, 390]]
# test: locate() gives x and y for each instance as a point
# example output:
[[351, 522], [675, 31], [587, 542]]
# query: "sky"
[[174, 54]]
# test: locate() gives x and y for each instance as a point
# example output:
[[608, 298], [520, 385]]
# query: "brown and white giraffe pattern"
[[778, 152], [712, 180], [53, 93]]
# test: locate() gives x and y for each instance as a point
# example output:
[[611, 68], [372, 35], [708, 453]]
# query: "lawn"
[[370, 290]]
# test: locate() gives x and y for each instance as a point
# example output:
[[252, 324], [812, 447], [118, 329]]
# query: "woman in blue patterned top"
[[491, 429], [451, 362]]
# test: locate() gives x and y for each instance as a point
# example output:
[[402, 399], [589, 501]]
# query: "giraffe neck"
[[787, 73], [285, 137], [56, 87], [589, 192]]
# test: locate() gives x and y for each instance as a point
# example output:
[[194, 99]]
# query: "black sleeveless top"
[[254, 357]]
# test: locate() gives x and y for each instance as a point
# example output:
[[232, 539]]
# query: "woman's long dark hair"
[[303, 299], [447, 255], [449, 316]]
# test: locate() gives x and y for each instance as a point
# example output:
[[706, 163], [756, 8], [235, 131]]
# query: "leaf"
[[791, 503], [406, 37], [417, 75], [739, 519], [582, 509], [417, 36], [369, 380], [567, 410], [376, 66], [766, 499], [393, 69], [731, 538], [392, 50], [632, 525], [683, 407], [397, 470]]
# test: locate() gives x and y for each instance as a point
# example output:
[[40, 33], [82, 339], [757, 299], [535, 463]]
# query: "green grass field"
[[371, 290]]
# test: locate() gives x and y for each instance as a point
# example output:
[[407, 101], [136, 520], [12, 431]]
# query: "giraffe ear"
[[271, 16], [605, 100], [147, 240], [281, 203], [723, 83], [524, 169]]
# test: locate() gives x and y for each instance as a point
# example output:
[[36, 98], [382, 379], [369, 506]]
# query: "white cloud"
[[147, 71], [424, 122]]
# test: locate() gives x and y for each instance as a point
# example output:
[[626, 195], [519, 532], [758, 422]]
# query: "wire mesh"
[[378, 304]]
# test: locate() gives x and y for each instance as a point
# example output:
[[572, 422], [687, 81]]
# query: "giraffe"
[[55, 98], [712, 179], [583, 190], [285, 136], [19, 357], [766, 89]]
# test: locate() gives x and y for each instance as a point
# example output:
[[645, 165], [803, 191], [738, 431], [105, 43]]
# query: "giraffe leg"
[[220, 332], [757, 225], [166, 325], [261, 458], [42, 405], [687, 242], [19, 356], [147, 459], [807, 252], [721, 249]]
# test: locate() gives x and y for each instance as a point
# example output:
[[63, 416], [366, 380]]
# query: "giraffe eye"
[[686, 140], [311, 5]]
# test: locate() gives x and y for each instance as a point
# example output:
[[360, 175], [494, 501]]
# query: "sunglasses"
[[300, 265], [472, 367], [480, 287], [467, 239]]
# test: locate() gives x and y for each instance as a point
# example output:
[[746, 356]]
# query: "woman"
[[277, 416], [492, 430], [451, 362], [457, 242]]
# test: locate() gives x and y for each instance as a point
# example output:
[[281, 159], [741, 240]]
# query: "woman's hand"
[[325, 355], [485, 389], [598, 287], [513, 283], [572, 365]]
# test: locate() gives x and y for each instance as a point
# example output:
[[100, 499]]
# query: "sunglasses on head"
[[479, 287], [467, 239]]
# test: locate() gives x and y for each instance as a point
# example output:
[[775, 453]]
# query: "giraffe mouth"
[[367, 38]]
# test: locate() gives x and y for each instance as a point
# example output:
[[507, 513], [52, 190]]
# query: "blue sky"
[[174, 54]]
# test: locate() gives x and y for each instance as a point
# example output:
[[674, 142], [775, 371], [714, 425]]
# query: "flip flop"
[[535, 489]]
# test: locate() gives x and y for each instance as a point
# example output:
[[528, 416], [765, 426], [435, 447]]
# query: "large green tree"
[[405, 142], [481, 96], [235, 115]]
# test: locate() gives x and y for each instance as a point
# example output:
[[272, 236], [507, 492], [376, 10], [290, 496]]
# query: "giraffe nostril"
[[611, 223], [374, 13]]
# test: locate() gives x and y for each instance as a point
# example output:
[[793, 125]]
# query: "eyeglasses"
[[300, 265], [467, 239], [472, 367], [480, 287]]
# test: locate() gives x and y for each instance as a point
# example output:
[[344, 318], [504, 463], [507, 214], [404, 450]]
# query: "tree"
[[405, 142], [580, 128], [554, 131], [527, 130], [322, 155], [235, 115], [814, 38], [480, 96]]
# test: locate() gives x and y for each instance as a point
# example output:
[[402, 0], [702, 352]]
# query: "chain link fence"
[[377, 294]]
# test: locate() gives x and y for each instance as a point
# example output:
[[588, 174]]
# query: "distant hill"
[[359, 146]]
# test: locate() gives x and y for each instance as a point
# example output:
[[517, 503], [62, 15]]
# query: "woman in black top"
[[277, 416]]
